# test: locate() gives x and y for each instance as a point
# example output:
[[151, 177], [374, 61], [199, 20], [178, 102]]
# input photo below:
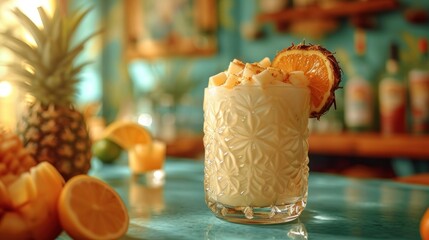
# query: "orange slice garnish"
[[127, 134], [320, 67], [90, 209]]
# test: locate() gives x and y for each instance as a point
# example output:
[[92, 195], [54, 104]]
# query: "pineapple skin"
[[57, 134]]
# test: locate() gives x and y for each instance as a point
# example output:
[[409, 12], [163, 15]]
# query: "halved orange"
[[320, 67], [90, 209], [127, 134]]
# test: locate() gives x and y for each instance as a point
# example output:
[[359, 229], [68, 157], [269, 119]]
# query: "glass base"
[[154, 178], [258, 215]]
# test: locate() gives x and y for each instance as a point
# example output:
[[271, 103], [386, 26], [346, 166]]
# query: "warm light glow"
[[145, 119], [5, 89], [29, 8], [8, 105]]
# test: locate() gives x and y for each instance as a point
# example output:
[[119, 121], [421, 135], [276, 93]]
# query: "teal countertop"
[[338, 208]]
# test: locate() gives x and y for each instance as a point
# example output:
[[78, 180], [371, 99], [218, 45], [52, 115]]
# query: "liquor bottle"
[[359, 100], [419, 91], [392, 96]]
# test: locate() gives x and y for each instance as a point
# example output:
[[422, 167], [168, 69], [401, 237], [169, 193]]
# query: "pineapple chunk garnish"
[[265, 62], [217, 79], [250, 70], [235, 67], [270, 76], [257, 74], [232, 81]]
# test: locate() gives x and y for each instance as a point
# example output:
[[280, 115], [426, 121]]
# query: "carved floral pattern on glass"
[[256, 145]]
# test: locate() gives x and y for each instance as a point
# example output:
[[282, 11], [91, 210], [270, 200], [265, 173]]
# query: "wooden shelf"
[[370, 145], [341, 9]]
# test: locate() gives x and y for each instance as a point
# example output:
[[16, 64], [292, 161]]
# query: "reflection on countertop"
[[338, 207]]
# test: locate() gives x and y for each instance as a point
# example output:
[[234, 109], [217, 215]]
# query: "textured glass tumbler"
[[256, 153]]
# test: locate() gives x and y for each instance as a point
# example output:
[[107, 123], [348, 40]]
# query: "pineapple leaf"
[[21, 84], [63, 41], [100, 31], [47, 24], [69, 27], [56, 30], [29, 58], [28, 54], [57, 33], [35, 32], [75, 20], [79, 68], [65, 90], [19, 70], [17, 49], [20, 47], [69, 57], [46, 54], [52, 29]]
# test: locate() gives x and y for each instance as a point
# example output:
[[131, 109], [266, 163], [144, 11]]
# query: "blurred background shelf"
[[370, 145], [340, 9]]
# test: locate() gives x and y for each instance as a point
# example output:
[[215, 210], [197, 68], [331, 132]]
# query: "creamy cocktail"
[[255, 138], [256, 145]]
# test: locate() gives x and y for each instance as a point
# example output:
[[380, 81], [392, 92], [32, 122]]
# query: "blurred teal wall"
[[117, 85]]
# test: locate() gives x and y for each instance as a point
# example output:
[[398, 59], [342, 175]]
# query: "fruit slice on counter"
[[91, 209], [127, 134], [319, 66], [49, 182], [22, 190], [143, 158]]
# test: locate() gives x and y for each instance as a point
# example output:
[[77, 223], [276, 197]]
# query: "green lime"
[[106, 150]]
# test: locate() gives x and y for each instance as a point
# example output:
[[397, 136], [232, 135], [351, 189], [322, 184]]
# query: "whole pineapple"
[[51, 128]]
